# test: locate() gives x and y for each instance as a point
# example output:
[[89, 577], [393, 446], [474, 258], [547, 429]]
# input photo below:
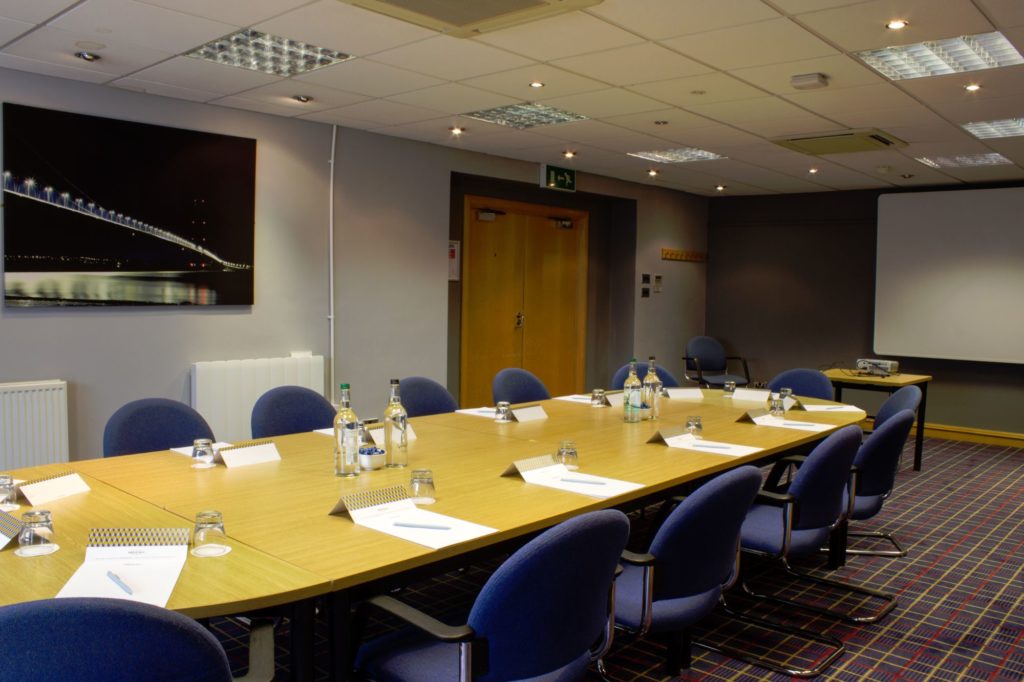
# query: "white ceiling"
[[717, 71]]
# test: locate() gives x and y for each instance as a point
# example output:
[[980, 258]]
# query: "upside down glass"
[[568, 455], [421, 486], [36, 537], [695, 426], [8, 493], [503, 413], [209, 537]]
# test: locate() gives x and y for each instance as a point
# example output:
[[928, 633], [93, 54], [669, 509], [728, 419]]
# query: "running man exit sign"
[[554, 177]]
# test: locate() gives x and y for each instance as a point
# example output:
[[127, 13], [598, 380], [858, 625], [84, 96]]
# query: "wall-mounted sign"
[[554, 177]]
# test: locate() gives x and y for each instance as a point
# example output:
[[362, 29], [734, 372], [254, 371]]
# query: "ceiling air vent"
[[468, 18], [870, 140]]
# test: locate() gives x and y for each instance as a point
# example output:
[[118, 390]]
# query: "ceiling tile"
[[453, 98], [968, 110], [477, 133], [833, 103], [282, 93], [126, 21], [451, 58], [995, 84], [842, 72], [560, 36], [766, 42], [260, 106], [195, 74], [516, 82], [11, 29], [164, 90], [633, 64], [703, 89], [36, 11], [806, 124], [668, 121], [987, 173], [381, 112], [743, 111], [601, 135], [1004, 13], [367, 77], [236, 12], [58, 47], [862, 26], [604, 103], [712, 137], [10, 61], [801, 6], [659, 19], [344, 27]]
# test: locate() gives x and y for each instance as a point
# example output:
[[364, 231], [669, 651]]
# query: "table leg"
[[303, 617], [919, 437], [339, 629]]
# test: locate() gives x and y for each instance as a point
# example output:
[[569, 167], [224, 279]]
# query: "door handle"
[[520, 318]]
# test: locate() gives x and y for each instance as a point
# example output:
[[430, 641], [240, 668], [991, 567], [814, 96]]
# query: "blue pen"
[[798, 424], [120, 583], [426, 526], [704, 445], [580, 480]]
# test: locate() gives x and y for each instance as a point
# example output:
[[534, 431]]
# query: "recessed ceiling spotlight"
[[897, 24], [972, 87], [87, 56], [812, 171], [536, 84], [456, 130], [302, 99], [653, 172], [569, 154], [720, 188], [906, 176]]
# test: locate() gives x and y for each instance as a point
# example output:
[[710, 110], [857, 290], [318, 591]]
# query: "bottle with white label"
[[396, 443], [652, 390], [632, 400], [346, 449]]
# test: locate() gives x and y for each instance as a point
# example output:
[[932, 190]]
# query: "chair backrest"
[[516, 385], [906, 398], [422, 396], [667, 380], [152, 424], [112, 640], [806, 382], [822, 478], [548, 603], [696, 545], [879, 455], [290, 409], [708, 351]]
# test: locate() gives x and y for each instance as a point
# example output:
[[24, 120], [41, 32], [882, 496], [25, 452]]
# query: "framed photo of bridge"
[[103, 212]]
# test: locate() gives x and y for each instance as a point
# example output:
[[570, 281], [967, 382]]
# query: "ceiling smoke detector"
[[809, 81], [463, 19]]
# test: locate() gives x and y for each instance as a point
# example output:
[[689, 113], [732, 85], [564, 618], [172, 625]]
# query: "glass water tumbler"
[[8, 493], [37, 528]]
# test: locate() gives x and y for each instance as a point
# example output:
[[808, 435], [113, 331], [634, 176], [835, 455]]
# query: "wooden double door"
[[524, 295]]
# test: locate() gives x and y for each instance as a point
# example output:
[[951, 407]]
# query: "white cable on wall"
[[330, 260]]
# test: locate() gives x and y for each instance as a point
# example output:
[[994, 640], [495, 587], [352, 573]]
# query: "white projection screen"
[[950, 275]]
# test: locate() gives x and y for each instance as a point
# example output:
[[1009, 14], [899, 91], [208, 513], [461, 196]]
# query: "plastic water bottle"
[[396, 442], [652, 390], [346, 449], [632, 401]]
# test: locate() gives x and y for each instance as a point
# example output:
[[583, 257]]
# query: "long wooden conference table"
[[287, 549]]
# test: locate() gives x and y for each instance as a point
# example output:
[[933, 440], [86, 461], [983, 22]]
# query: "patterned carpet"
[[961, 590]]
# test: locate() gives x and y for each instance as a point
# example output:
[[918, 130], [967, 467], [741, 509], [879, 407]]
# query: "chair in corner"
[[691, 559], [516, 385], [422, 396], [290, 409], [877, 462], [809, 383], [906, 398], [152, 424], [667, 380], [708, 365], [545, 613], [113, 640]]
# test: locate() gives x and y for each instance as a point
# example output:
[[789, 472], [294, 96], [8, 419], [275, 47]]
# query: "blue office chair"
[[706, 357], [805, 382], [906, 398], [152, 424], [796, 519], [667, 380], [691, 559], [877, 462], [422, 396], [539, 616], [290, 409], [515, 385], [108, 640]]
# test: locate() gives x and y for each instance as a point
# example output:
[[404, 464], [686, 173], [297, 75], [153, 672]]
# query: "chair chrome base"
[[888, 599], [897, 552]]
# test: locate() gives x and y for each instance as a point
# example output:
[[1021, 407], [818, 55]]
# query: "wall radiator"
[[33, 423], [224, 391]]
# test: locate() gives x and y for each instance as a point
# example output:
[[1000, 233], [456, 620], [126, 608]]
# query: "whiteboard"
[[949, 281]]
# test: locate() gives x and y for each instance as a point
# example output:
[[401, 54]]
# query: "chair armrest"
[[774, 499], [743, 361], [687, 359], [422, 621], [635, 559], [780, 467]]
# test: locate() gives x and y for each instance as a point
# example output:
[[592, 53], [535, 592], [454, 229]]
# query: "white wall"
[[110, 356]]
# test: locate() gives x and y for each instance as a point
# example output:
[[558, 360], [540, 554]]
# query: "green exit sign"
[[554, 177]]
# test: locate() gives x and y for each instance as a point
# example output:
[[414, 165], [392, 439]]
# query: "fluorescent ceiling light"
[[681, 155], [249, 49], [1006, 127], [965, 161], [938, 57], [526, 115]]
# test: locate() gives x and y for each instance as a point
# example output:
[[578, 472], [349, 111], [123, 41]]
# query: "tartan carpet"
[[960, 614]]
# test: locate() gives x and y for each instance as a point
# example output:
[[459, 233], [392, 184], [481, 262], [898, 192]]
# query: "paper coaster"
[[423, 500], [37, 550], [9, 507], [210, 551], [204, 465]]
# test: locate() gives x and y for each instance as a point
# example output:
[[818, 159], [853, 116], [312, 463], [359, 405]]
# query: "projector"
[[876, 366]]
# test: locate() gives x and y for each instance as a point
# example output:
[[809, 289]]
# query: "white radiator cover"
[[224, 391], [33, 423]]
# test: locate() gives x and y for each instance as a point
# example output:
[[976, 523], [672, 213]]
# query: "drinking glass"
[[8, 494], [209, 537], [421, 485], [568, 455], [597, 397], [785, 393], [728, 389], [776, 406], [503, 412], [36, 537], [202, 453], [695, 426]]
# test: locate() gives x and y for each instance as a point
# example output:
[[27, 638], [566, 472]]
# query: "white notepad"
[[787, 423], [686, 441]]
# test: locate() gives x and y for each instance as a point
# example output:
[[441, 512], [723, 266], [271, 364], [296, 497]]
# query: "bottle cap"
[[394, 381], [344, 386]]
